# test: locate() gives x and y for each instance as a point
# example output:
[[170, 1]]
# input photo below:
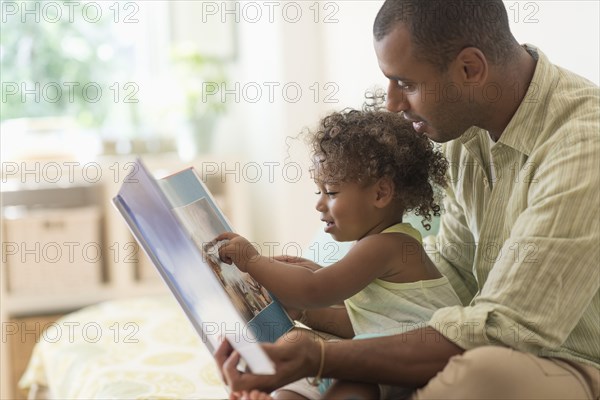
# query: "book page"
[[201, 221]]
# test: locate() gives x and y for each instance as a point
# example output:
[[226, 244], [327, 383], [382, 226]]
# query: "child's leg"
[[299, 390], [343, 390], [252, 395], [283, 394]]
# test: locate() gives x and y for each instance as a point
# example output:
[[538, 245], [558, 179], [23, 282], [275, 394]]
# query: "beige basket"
[[50, 251]]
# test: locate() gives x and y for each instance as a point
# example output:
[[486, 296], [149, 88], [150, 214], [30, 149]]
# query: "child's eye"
[[330, 194]]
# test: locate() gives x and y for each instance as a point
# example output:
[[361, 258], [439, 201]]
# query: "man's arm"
[[410, 359], [540, 295]]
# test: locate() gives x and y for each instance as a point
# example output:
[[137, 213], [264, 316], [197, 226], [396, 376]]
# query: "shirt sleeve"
[[546, 274]]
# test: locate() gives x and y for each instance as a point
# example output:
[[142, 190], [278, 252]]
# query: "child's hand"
[[237, 250]]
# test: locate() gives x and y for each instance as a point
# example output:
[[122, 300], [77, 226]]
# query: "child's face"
[[347, 209]]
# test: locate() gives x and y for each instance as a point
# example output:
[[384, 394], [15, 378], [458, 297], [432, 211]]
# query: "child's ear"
[[384, 192]]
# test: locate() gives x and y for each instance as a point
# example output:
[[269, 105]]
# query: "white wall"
[[279, 64], [568, 32], [339, 53], [332, 73]]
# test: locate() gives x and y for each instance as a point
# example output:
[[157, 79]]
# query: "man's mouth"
[[419, 126]]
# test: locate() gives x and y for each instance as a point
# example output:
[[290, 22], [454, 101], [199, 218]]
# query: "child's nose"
[[321, 206]]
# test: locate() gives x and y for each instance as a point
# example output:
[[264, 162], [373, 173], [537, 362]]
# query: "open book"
[[175, 219]]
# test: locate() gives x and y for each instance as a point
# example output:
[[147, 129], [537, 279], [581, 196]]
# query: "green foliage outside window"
[[56, 66]]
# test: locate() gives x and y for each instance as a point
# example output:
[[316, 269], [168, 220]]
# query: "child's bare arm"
[[334, 320], [299, 261], [303, 288]]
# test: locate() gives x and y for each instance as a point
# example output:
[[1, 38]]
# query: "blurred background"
[[224, 86]]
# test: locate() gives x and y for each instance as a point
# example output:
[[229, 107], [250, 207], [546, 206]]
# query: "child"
[[370, 168]]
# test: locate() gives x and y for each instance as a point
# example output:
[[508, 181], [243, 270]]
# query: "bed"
[[141, 348]]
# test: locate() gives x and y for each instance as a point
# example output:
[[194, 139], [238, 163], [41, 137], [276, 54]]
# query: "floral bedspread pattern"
[[142, 348]]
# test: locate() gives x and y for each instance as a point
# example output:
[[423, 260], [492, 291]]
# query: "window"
[[120, 69]]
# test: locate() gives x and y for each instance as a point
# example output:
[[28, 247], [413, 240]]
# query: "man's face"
[[435, 103]]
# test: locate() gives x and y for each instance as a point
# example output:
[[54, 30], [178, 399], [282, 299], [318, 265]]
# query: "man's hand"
[[295, 355], [237, 250]]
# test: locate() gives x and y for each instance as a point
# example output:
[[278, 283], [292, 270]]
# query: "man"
[[520, 234]]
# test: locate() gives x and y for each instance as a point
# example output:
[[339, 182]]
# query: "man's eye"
[[405, 86]]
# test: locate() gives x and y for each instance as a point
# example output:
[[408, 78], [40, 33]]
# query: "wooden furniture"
[[21, 335]]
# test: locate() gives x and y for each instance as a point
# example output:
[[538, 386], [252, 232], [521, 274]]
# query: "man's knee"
[[488, 362], [475, 374], [493, 372], [478, 369]]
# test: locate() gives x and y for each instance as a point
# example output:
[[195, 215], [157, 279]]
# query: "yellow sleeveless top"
[[387, 308]]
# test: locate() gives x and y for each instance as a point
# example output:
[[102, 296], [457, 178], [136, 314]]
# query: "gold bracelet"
[[316, 381]]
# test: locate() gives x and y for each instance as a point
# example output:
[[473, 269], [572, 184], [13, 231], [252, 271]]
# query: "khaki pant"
[[491, 373], [501, 373]]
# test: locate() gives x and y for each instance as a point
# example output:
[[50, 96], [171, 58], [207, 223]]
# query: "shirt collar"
[[528, 120]]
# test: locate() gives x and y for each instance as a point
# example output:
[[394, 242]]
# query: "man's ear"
[[471, 65], [384, 192]]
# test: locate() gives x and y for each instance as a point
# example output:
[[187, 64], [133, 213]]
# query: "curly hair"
[[365, 146]]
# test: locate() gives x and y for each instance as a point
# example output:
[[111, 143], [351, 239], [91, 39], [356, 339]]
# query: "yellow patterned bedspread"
[[128, 349]]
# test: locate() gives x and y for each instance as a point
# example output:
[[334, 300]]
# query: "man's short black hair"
[[440, 29]]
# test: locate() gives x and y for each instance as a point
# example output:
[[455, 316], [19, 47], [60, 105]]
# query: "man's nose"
[[396, 98]]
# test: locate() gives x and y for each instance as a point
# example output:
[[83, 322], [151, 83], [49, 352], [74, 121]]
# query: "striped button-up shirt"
[[520, 236]]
